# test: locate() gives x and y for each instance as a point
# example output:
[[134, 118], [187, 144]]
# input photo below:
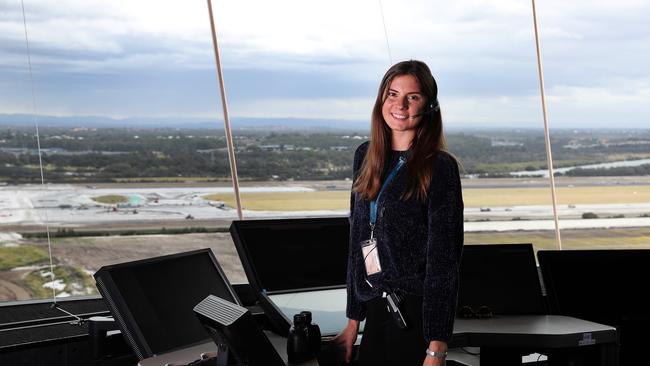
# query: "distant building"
[[270, 147], [506, 143]]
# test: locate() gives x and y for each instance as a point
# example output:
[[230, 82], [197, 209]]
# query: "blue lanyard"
[[373, 204]]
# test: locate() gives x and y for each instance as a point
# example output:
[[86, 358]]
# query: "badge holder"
[[371, 256]]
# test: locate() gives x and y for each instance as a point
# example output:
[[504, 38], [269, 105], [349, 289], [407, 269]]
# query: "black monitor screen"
[[597, 285], [293, 254], [155, 297], [607, 286], [502, 277]]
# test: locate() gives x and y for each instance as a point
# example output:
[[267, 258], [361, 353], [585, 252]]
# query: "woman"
[[407, 247]]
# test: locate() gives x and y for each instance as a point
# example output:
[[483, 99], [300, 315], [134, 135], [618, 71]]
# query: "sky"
[[324, 59]]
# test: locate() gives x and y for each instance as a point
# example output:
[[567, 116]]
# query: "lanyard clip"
[[372, 231]]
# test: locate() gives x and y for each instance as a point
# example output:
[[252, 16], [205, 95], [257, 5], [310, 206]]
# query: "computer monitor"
[[297, 265], [152, 299], [233, 326], [606, 286], [288, 255], [502, 277], [600, 285]]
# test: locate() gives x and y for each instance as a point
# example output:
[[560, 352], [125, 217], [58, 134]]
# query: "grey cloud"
[[476, 50]]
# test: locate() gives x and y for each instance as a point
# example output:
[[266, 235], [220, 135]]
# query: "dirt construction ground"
[[91, 253]]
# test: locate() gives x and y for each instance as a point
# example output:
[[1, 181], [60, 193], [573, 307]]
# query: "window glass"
[[324, 66], [134, 153], [132, 143], [597, 85], [596, 80]]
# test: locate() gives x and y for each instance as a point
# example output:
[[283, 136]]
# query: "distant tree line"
[[104, 155], [619, 171]]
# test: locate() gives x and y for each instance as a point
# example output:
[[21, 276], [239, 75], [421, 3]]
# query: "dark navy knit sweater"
[[419, 244]]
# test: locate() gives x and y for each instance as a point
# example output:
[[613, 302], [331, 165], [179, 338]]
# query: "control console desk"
[[187, 355], [505, 339]]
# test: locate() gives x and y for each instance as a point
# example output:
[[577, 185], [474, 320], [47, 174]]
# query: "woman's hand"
[[435, 361], [346, 339]]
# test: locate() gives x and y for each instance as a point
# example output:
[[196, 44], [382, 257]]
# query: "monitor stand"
[[224, 357]]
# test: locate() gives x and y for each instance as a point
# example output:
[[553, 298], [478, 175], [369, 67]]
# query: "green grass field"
[[288, 201], [111, 199], [168, 179], [481, 197], [24, 255], [627, 238], [76, 282], [474, 197]]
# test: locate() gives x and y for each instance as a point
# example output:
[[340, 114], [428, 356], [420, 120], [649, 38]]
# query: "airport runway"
[[71, 206]]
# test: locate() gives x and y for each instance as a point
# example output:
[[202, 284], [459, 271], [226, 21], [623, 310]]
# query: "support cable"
[[38, 146], [226, 118], [549, 157], [383, 21], [55, 305]]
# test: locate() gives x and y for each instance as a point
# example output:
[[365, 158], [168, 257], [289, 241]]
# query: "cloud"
[[568, 106], [619, 104], [323, 108], [103, 36], [616, 94], [492, 111], [328, 55]]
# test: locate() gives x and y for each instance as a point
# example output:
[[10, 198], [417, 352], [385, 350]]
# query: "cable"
[[78, 320], [383, 21], [38, 145]]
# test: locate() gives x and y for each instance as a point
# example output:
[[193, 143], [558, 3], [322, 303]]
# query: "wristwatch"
[[436, 354]]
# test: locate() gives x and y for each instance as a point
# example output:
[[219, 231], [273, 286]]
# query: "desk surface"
[[526, 331], [187, 355], [180, 357], [549, 331]]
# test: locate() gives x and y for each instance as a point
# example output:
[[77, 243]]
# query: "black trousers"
[[384, 343]]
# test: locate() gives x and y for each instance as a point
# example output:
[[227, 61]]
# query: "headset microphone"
[[432, 107]]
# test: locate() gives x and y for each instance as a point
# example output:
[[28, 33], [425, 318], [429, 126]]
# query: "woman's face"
[[403, 104]]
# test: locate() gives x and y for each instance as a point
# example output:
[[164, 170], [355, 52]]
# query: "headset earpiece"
[[435, 106], [431, 107]]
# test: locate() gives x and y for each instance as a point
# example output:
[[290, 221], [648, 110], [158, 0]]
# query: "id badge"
[[371, 256]]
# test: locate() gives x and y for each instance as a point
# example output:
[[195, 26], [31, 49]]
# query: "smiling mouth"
[[399, 116]]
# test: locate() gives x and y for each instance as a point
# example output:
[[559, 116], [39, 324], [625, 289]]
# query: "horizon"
[[256, 123], [142, 60]]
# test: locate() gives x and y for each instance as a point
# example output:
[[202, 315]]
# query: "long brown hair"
[[428, 141]]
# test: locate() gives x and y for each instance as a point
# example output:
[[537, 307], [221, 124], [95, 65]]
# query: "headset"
[[432, 107]]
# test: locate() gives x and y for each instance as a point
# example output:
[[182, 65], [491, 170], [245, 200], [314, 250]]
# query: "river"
[[615, 164]]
